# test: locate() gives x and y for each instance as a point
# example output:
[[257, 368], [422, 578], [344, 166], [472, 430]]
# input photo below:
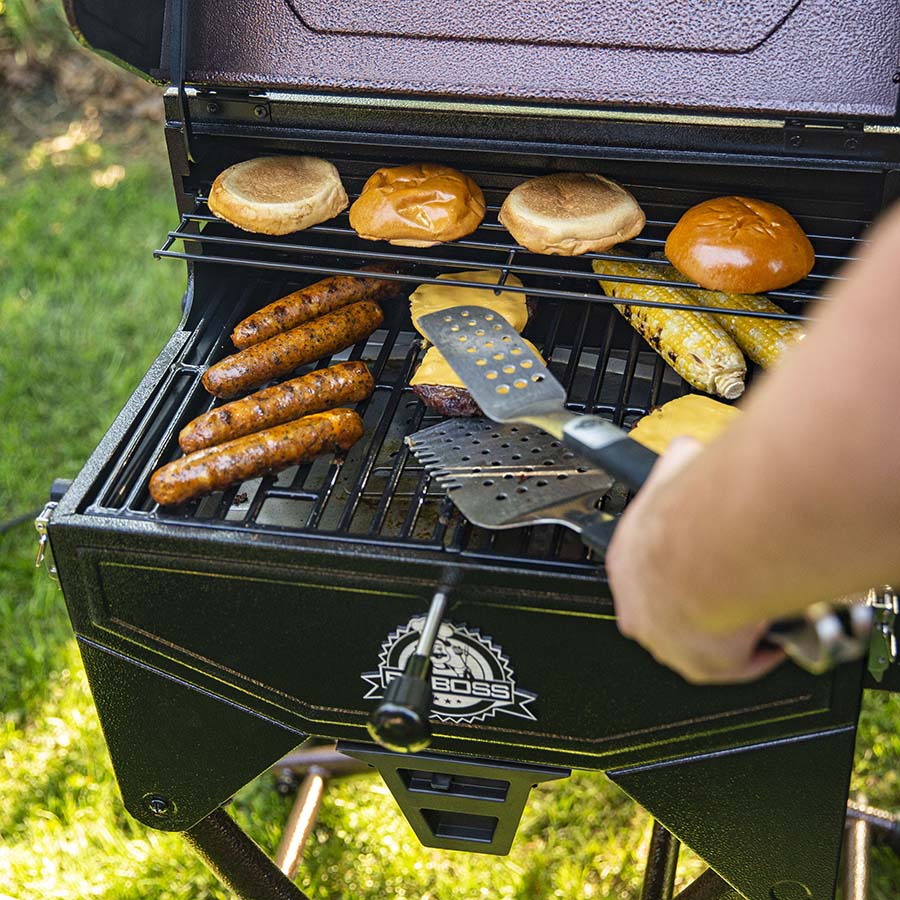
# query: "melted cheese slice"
[[698, 417], [434, 369], [428, 298]]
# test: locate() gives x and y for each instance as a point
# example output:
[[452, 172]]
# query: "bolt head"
[[851, 143], [159, 806], [896, 78], [796, 140], [212, 107], [259, 111]]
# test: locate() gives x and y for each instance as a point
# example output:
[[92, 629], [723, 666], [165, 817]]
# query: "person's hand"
[[668, 618]]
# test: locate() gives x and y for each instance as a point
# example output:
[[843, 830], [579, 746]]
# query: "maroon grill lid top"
[[813, 57]]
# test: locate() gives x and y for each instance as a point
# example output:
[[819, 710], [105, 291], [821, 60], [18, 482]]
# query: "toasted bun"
[[417, 206], [571, 213], [740, 246], [278, 194]]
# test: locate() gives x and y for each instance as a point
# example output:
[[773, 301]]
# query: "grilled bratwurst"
[[248, 369], [272, 450], [338, 385], [311, 302]]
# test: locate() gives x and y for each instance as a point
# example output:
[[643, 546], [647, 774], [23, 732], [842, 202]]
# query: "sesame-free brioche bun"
[[418, 205], [740, 246], [278, 194], [571, 213]]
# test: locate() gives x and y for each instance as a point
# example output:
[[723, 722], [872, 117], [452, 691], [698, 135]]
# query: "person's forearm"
[[800, 500]]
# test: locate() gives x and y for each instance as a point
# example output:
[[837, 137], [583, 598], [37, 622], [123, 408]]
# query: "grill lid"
[[787, 57]]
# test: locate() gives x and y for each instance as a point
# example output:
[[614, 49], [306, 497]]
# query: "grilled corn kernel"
[[692, 343], [765, 341]]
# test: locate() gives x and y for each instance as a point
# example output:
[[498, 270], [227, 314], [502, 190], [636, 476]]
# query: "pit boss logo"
[[471, 678]]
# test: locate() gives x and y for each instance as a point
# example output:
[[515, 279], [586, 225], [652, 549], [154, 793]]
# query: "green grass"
[[84, 309]]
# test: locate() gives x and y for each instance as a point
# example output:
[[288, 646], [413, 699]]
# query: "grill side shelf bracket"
[[454, 803]]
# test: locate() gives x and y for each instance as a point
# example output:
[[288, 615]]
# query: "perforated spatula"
[[509, 476], [511, 384]]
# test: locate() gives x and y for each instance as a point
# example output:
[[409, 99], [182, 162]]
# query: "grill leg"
[[240, 864], [301, 821], [662, 861], [857, 840]]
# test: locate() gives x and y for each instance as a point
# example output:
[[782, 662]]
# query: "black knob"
[[400, 721]]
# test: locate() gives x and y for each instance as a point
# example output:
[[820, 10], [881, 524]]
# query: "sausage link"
[[346, 382], [311, 302], [215, 468], [248, 369]]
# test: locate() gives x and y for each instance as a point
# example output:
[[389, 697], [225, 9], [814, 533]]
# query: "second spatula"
[[510, 383]]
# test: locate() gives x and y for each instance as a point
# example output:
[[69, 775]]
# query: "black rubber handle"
[[624, 459], [400, 721]]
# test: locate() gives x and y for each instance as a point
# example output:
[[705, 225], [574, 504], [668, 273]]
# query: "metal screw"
[[896, 78], [260, 111], [159, 806], [212, 107], [851, 143], [285, 782], [796, 140]]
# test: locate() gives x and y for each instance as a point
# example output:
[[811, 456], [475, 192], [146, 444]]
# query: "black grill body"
[[254, 619]]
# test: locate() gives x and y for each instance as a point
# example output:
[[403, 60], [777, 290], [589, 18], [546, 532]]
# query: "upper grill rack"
[[834, 238]]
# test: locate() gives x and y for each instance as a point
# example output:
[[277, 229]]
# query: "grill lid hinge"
[[230, 106], [824, 136]]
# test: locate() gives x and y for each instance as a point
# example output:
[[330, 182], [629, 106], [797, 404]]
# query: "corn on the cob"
[[765, 341], [692, 343]]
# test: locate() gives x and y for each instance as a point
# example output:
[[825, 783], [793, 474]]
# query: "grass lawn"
[[84, 309]]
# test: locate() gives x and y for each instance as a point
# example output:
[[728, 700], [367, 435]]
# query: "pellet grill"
[[220, 635]]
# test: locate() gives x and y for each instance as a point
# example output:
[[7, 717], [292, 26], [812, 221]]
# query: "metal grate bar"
[[354, 247]]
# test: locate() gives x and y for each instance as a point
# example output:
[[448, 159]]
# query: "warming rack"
[[834, 239]]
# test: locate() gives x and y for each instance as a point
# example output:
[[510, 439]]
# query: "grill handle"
[[400, 721]]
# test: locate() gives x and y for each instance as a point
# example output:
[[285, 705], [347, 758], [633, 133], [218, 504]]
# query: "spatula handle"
[[610, 448]]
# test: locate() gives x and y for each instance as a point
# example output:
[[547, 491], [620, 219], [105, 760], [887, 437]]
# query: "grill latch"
[[883, 653], [44, 552]]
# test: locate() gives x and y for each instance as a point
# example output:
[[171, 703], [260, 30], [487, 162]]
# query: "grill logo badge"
[[471, 678]]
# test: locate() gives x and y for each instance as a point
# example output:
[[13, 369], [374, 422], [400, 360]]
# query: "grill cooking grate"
[[379, 494]]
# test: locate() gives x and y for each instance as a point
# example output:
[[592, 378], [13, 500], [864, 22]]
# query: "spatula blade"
[[504, 375], [509, 476]]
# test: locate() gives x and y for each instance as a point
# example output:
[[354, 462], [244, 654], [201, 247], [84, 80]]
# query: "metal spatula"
[[511, 384], [509, 476]]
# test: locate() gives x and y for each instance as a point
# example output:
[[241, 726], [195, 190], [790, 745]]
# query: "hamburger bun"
[[418, 205], [740, 246], [278, 194], [571, 213]]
